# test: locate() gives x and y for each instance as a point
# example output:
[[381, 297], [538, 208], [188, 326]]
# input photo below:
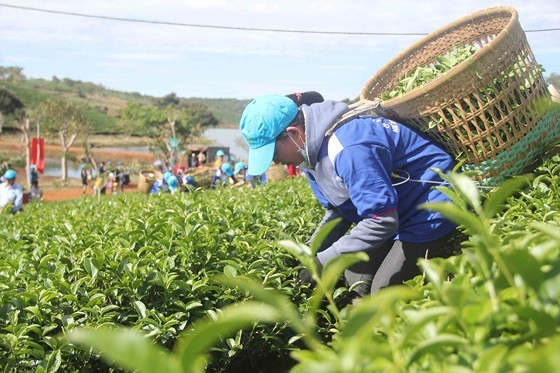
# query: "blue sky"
[[200, 62]]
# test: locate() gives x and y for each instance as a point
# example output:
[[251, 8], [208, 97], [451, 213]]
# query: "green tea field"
[[207, 281]]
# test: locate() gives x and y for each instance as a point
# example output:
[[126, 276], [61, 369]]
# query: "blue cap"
[[220, 153], [262, 121], [32, 167], [238, 167], [10, 174], [172, 182], [227, 169]]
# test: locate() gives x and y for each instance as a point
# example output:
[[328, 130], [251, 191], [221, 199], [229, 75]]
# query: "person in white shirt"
[[11, 193]]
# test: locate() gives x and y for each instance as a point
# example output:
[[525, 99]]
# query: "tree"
[[65, 120], [200, 114], [12, 74], [168, 100], [9, 104], [138, 119], [183, 122], [171, 127], [554, 79]]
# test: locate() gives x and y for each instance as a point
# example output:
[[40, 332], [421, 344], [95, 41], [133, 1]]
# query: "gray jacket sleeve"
[[338, 231], [367, 235]]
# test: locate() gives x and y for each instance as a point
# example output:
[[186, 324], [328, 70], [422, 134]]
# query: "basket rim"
[[423, 89]]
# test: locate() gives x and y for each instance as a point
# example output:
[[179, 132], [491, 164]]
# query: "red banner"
[[38, 153]]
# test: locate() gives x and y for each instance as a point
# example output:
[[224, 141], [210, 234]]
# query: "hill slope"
[[103, 104]]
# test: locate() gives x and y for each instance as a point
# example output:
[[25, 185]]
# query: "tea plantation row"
[[152, 265], [141, 262]]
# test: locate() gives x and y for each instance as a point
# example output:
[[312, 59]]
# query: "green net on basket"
[[521, 154]]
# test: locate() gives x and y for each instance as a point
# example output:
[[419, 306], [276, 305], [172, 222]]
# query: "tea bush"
[[202, 275], [493, 308], [144, 262]]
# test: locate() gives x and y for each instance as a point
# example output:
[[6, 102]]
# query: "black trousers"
[[393, 263]]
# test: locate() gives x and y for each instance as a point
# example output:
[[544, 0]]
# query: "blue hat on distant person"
[[238, 167], [32, 167], [172, 182], [227, 169], [220, 153], [262, 121], [10, 174]]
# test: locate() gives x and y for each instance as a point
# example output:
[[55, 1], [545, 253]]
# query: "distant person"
[[110, 183], [101, 168], [194, 160], [11, 193], [172, 182], [84, 175], [33, 176], [223, 177], [219, 159], [293, 170], [98, 185], [189, 182], [120, 177], [35, 194], [240, 173], [201, 159], [159, 186]]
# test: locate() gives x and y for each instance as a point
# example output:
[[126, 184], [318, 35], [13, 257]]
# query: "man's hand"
[[304, 276]]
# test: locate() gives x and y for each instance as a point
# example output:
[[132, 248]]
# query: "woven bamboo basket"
[[146, 180], [203, 176], [482, 107], [276, 172]]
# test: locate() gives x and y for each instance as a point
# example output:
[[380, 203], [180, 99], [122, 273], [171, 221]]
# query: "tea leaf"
[[322, 234], [525, 265], [436, 344], [494, 202], [127, 348], [140, 308], [194, 344]]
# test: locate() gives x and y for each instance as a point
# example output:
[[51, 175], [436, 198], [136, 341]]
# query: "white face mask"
[[305, 164]]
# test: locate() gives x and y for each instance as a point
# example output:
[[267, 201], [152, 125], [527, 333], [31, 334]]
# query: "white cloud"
[[141, 57]]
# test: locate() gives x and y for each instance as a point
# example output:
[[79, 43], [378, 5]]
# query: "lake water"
[[227, 137], [52, 168]]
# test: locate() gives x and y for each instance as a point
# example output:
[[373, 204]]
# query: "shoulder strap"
[[356, 109]]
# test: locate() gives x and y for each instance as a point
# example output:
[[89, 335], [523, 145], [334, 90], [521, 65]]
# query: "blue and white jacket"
[[352, 175]]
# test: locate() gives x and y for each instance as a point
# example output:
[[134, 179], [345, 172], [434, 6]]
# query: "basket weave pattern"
[[276, 172], [481, 107], [547, 131]]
